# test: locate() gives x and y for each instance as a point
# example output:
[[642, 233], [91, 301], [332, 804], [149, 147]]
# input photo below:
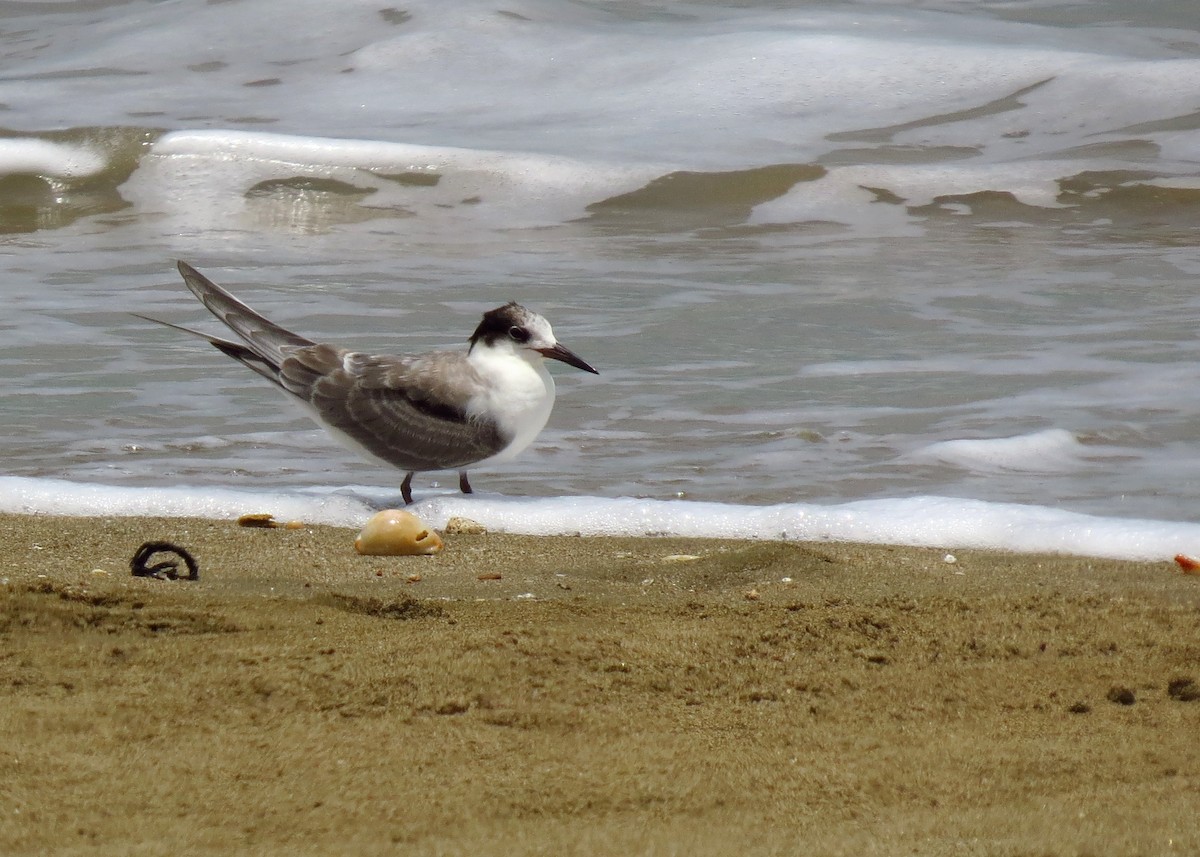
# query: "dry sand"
[[589, 696]]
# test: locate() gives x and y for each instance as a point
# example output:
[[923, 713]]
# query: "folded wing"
[[397, 408]]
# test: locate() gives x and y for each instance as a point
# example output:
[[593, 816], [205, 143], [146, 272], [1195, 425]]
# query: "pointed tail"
[[266, 339]]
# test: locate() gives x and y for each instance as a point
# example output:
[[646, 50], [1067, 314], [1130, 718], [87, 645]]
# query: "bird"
[[438, 410]]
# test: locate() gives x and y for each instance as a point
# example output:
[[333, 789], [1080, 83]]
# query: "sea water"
[[916, 272]]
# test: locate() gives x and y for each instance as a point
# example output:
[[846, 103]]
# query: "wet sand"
[[519, 695]]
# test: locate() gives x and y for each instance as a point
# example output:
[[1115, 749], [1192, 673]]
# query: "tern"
[[440, 410]]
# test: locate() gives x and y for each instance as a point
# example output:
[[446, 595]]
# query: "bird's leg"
[[406, 488], [463, 485]]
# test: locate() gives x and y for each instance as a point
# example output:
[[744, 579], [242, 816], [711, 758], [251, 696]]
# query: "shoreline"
[[590, 695]]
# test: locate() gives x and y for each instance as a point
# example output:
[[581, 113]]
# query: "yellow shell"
[[394, 532]]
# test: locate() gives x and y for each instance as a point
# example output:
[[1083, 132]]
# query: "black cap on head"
[[499, 323]]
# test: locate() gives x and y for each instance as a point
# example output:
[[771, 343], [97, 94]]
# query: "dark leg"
[[463, 485], [406, 489]]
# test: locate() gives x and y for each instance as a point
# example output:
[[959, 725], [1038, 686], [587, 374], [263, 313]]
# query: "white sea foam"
[[364, 154], [943, 522], [1049, 451], [212, 176], [717, 88], [42, 157], [59, 497]]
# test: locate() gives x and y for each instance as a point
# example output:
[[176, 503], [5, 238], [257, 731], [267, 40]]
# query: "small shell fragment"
[[1187, 564], [262, 521], [458, 526], [395, 532]]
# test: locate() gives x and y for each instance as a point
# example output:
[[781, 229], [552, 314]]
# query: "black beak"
[[566, 355]]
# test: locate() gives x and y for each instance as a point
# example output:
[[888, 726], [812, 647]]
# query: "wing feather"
[[266, 338], [407, 411]]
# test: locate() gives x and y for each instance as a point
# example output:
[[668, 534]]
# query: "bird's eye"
[[519, 334]]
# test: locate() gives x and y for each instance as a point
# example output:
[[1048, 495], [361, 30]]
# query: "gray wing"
[[266, 339], [266, 343], [407, 411]]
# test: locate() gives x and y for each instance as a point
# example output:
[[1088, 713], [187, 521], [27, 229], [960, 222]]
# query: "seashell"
[[457, 526], [259, 520], [1187, 564], [394, 532]]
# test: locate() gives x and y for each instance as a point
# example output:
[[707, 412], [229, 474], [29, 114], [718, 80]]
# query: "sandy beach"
[[518, 695]]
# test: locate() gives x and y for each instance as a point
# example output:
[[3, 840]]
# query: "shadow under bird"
[[441, 410]]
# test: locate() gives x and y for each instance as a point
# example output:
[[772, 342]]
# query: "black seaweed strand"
[[167, 569]]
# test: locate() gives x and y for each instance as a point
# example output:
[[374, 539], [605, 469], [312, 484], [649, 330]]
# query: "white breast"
[[518, 396]]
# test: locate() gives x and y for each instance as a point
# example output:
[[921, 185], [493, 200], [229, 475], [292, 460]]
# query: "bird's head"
[[516, 330]]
